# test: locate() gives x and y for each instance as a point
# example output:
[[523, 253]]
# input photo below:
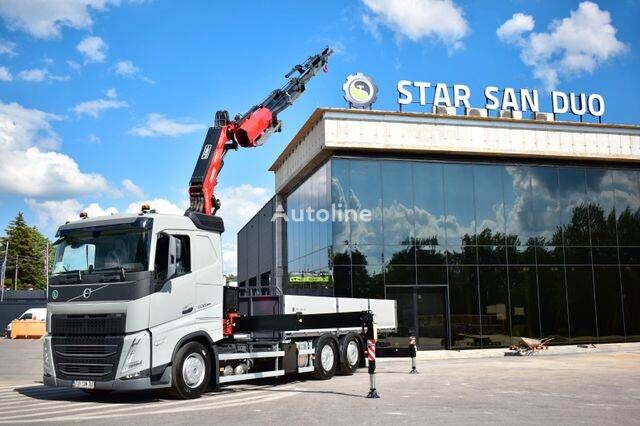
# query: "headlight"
[[131, 361], [47, 359]]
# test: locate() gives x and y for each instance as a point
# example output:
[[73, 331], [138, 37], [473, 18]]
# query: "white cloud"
[[5, 74], [7, 48], [512, 29], [57, 212], [34, 74], [73, 65], [93, 139], [159, 125], [132, 188], [572, 46], [126, 68], [418, 20], [29, 164], [94, 107], [39, 75], [45, 19], [93, 48], [161, 205]]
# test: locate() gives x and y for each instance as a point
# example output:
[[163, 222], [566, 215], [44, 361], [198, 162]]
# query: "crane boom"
[[248, 131]]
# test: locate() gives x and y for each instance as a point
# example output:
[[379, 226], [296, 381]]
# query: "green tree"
[[26, 249]]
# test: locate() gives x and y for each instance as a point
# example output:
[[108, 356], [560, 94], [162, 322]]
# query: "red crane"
[[248, 131]]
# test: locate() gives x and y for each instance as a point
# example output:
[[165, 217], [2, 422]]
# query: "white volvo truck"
[[139, 301]]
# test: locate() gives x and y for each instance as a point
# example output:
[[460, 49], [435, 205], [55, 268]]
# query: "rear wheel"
[[325, 360], [350, 354], [191, 371]]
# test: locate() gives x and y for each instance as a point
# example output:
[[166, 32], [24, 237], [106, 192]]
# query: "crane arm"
[[248, 131]]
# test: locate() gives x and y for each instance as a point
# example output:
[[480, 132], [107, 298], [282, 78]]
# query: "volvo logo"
[[360, 91], [86, 293]]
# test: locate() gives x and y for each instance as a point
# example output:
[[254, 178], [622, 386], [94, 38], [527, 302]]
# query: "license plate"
[[84, 384]]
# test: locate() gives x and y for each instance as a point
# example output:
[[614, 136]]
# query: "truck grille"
[[92, 324], [86, 357]]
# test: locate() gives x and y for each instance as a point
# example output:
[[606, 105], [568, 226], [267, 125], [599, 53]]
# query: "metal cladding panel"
[[266, 240], [242, 255], [253, 245]]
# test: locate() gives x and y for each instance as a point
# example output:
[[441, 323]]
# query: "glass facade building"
[[476, 253]]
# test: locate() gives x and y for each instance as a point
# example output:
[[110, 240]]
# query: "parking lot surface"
[[589, 388]]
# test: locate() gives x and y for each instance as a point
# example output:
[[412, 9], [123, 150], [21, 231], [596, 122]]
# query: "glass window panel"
[[521, 255], [366, 254], [368, 281], [582, 313], [366, 193], [462, 255], [609, 304], [340, 255], [339, 198], [545, 206], [553, 303], [494, 302], [605, 255], [397, 199], [492, 255], [430, 254], [602, 216], [400, 275], [573, 206], [630, 255], [342, 281], [431, 312], [523, 291], [459, 204], [516, 181], [428, 203], [631, 291], [406, 314], [577, 255], [550, 255], [627, 204], [399, 255], [428, 274], [464, 317], [489, 205]]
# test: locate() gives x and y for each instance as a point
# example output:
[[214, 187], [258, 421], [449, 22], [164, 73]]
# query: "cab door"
[[174, 297]]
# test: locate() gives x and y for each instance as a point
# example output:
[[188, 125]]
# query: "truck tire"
[[350, 354], [191, 371], [325, 361]]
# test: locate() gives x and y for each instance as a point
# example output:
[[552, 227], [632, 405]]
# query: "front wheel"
[[325, 360], [191, 371]]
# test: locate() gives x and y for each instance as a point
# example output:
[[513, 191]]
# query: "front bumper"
[[116, 385]]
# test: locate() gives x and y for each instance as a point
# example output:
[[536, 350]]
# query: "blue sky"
[[104, 104]]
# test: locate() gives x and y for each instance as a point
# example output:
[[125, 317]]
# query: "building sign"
[[458, 95], [360, 91]]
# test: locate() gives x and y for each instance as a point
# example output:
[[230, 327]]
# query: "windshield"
[[88, 251]]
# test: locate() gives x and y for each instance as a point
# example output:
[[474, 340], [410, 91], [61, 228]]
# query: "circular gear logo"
[[360, 90]]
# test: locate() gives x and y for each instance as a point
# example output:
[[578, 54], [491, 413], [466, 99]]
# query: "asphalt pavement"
[[577, 388]]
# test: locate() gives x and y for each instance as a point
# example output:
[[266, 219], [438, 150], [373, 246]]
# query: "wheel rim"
[[327, 357], [193, 370], [352, 353]]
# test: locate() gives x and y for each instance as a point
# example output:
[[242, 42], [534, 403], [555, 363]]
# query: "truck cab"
[[125, 290]]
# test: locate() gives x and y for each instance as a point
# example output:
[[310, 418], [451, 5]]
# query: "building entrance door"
[[431, 313]]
